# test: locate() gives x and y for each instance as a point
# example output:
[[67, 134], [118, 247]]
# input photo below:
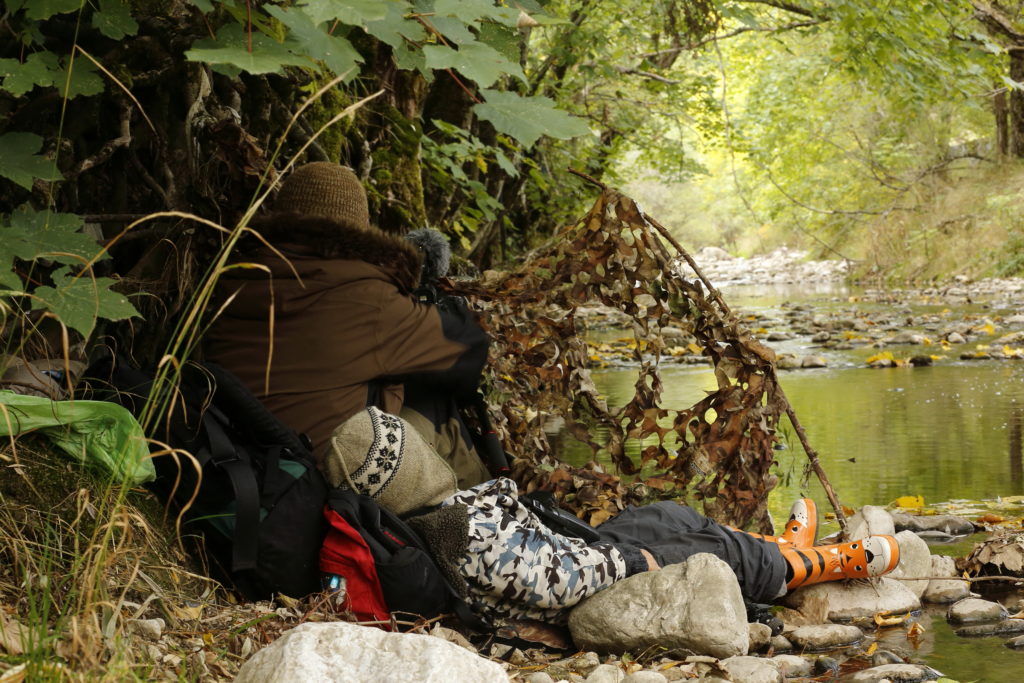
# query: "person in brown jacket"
[[335, 328]]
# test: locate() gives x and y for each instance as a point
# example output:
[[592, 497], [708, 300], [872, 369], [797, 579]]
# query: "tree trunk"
[[1001, 112], [1017, 104]]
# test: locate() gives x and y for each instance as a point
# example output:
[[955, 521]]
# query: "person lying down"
[[510, 563]]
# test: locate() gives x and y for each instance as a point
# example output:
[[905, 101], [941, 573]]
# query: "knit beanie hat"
[[382, 456], [325, 189]]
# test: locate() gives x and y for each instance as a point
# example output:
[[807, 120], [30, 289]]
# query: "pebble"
[[885, 657], [539, 677], [746, 669], [606, 673], [1016, 643], [781, 644], [585, 663], [150, 629], [792, 666], [645, 677], [1003, 628]]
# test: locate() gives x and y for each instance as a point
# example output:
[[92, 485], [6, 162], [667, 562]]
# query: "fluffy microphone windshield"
[[437, 255]]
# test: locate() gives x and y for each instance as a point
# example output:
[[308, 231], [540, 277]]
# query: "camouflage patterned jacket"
[[518, 568]]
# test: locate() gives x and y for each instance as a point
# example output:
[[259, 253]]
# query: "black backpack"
[[409, 579], [257, 500]]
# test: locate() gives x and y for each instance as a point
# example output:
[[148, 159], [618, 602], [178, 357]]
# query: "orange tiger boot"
[[860, 559], [801, 527]]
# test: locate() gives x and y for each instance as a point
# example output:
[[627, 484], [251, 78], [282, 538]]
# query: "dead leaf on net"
[[187, 611], [14, 675], [12, 635]]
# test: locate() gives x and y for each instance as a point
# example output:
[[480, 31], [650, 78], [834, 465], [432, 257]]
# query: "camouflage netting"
[[719, 451]]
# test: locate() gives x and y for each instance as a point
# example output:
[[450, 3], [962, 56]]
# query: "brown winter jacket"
[[342, 335]]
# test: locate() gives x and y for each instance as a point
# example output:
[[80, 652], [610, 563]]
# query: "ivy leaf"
[[44, 9], [80, 301], [37, 70], [334, 51], [203, 5], [477, 61], [231, 49], [84, 80], [114, 19], [453, 29], [352, 12], [527, 118], [20, 161], [502, 38]]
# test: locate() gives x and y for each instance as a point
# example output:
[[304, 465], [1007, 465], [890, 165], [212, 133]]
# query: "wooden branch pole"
[[812, 455]]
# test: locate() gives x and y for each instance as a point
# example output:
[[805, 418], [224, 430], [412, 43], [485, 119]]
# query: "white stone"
[[872, 520], [645, 677], [945, 591], [792, 666], [695, 605], [606, 673], [915, 561], [824, 636], [847, 600], [539, 677], [976, 611], [760, 636], [897, 673], [150, 629], [751, 670], [339, 652]]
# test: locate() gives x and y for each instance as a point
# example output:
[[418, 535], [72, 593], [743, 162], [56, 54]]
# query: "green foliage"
[[114, 19], [78, 299], [528, 118], [45, 69], [20, 160]]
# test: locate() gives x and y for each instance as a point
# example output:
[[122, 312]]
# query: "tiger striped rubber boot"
[[860, 559], [801, 527]]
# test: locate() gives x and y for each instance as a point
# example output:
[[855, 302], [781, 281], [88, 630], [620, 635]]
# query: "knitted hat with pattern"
[[325, 189], [382, 456]]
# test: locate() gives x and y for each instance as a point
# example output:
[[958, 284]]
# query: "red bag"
[[346, 554]]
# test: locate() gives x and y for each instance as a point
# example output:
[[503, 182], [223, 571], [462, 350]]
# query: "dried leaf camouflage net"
[[718, 451]]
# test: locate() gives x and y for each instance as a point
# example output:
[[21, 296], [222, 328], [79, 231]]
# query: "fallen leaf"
[[909, 502], [894, 620]]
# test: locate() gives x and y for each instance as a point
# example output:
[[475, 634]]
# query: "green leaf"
[[80, 301], [84, 80], [20, 161], [44, 9], [502, 38], [30, 234], [38, 69], [231, 49], [114, 19], [477, 61], [352, 12], [527, 118], [394, 29], [203, 5], [334, 51], [469, 11], [453, 29]]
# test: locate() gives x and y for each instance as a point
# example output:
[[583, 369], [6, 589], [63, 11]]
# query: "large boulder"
[[915, 562], [976, 611], [947, 524], [695, 605], [853, 600], [340, 652]]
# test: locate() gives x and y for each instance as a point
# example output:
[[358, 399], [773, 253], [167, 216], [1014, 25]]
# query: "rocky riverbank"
[[688, 622], [962, 320]]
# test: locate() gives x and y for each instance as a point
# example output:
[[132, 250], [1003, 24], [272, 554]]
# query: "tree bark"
[[1017, 104]]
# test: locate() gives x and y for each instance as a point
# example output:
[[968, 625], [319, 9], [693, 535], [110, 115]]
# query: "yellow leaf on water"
[[988, 328], [915, 630], [871, 649], [884, 355], [909, 502], [894, 620]]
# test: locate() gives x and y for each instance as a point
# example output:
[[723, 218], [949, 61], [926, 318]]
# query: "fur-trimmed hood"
[[329, 239]]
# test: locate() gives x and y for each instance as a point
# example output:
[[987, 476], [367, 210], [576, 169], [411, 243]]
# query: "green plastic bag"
[[96, 433]]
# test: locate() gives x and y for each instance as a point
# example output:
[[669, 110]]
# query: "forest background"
[[888, 133]]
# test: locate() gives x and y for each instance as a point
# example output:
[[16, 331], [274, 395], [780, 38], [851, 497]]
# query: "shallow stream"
[[951, 432]]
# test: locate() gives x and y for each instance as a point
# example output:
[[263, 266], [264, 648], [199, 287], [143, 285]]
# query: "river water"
[[948, 432]]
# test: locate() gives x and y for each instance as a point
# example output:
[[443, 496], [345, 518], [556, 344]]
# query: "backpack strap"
[[238, 468]]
